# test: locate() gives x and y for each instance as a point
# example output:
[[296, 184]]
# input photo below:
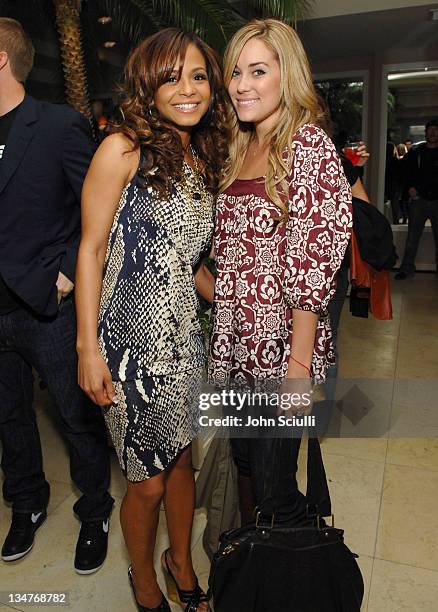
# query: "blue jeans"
[[419, 211], [49, 346]]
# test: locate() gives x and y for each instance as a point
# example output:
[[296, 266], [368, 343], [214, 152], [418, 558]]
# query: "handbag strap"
[[317, 493]]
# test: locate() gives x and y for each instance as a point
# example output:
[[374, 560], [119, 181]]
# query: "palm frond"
[[286, 10], [155, 11], [213, 20], [133, 19]]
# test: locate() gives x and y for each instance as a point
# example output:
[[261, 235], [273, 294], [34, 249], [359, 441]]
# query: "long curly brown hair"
[[149, 66]]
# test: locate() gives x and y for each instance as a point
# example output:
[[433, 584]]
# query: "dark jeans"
[[396, 191], [255, 457], [48, 345], [263, 459], [335, 310], [420, 211], [324, 411]]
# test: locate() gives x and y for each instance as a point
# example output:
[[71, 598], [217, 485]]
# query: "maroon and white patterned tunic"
[[265, 268]]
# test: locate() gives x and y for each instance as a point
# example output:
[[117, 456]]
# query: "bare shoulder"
[[118, 145], [116, 156]]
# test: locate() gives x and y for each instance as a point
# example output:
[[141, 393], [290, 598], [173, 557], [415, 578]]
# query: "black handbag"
[[270, 567]]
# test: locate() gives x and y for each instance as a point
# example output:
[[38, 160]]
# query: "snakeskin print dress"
[[148, 331]]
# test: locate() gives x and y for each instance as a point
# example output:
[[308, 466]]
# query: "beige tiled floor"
[[384, 490]]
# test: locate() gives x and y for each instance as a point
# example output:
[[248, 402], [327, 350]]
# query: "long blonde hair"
[[299, 104]]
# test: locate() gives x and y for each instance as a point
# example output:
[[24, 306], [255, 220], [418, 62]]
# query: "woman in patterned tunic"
[[282, 228], [147, 221]]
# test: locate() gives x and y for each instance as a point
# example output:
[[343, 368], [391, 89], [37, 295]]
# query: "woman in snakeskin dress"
[[147, 223]]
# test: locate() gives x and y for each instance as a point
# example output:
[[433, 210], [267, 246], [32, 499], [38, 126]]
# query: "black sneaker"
[[19, 540], [402, 275], [92, 546]]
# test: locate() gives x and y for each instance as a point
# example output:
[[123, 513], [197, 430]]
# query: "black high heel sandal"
[[190, 599], [163, 607]]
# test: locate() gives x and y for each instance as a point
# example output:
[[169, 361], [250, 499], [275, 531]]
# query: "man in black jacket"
[[45, 151], [421, 172]]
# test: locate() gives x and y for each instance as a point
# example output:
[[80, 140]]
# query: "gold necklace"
[[193, 187]]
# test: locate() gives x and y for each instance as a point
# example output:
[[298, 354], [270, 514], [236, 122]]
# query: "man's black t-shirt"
[[421, 171], [8, 301], [6, 122], [428, 173]]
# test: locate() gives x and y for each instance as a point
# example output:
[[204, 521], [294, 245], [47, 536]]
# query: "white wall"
[[331, 8]]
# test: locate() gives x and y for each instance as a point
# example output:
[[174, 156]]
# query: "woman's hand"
[[297, 370], [362, 152], [95, 379], [296, 390]]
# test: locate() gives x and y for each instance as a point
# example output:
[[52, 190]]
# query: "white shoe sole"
[[18, 555], [22, 554], [87, 572]]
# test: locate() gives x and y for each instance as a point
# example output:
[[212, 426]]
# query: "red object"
[[363, 275], [300, 363], [102, 122], [350, 153]]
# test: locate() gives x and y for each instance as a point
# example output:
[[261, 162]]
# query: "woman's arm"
[[318, 232], [358, 191], [205, 281], [111, 169], [304, 326]]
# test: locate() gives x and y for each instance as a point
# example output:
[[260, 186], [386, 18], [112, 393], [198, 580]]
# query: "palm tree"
[[214, 20], [73, 61], [66, 15]]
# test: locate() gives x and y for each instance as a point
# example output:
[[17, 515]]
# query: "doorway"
[[409, 100]]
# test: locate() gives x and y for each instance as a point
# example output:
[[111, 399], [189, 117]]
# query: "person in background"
[[354, 172], [421, 182], [392, 181], [282, 228], [45, 151], [336, 303], [408, 144], [402, 151], [147, 223]]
